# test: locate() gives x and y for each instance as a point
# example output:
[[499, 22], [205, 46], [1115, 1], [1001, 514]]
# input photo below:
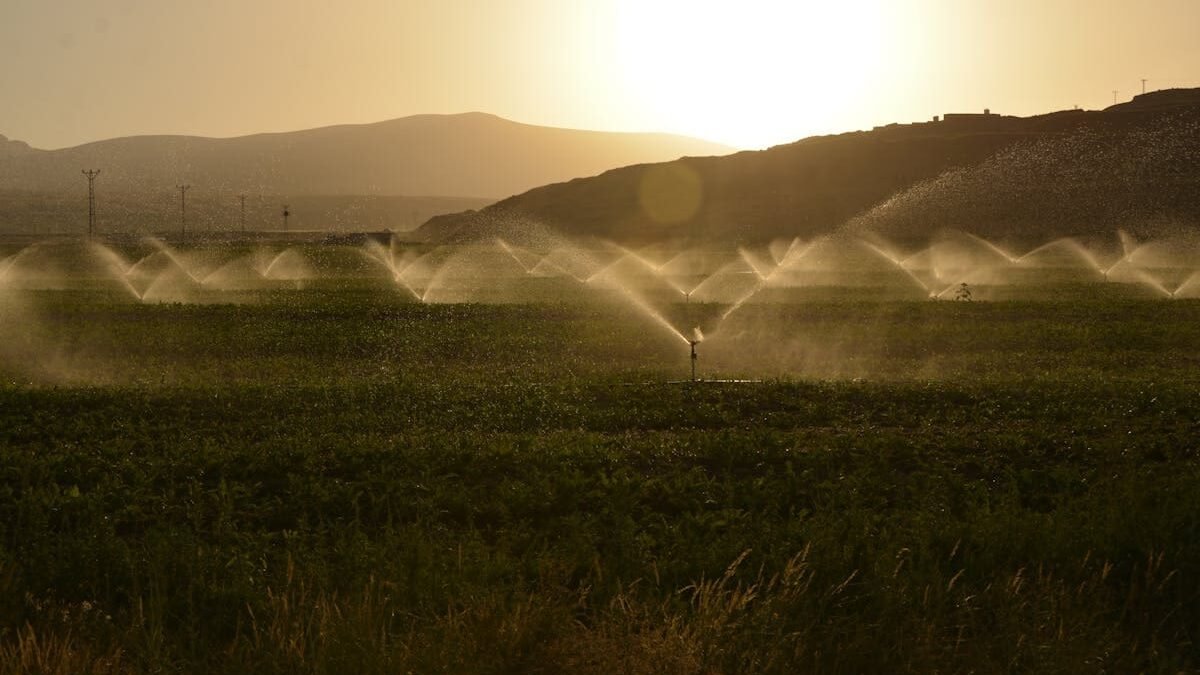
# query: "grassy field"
[[336, 481]]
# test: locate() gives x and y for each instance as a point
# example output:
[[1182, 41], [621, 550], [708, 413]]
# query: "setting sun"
[[751, 73]]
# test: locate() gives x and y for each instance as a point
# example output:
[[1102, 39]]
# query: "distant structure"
[[183, 208], [968, 118], [985, 121], [91, 176], [286, 213]]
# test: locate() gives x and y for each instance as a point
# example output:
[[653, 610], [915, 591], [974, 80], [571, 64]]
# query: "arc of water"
[[119, 267], [760, 269], [900, 266], [676, 280], [173, 257], [575, 261], [266, 273], [992, 247], [641, 304], [144, 261], [1185, 288], [792, 258], [636, 300], [412, 291], [515, 253], [656, 270], [12, 260], [402, 272], [798, 252], [1126, 259], [546, 263], [908, 262], [1153, 283], [736, 267], [1129, 245], [795, 243], [375, 252], [214, 275], [399, 270], [1071, 245], [604, 270], [434, 280]]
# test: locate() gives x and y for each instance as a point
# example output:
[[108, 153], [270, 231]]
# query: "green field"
[[341, 480]]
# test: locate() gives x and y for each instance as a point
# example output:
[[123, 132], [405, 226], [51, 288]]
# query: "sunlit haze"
[[747, 74]]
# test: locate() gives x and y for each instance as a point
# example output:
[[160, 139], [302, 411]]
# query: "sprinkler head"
[[693, 344]]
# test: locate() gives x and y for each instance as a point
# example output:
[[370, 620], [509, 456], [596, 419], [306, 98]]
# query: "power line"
[[91, 176], [183, 208]]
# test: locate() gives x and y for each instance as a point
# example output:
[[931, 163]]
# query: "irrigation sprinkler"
[[697, 338], [693, 344]]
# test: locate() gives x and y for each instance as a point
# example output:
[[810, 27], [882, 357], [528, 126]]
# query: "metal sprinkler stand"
[[693, 343]]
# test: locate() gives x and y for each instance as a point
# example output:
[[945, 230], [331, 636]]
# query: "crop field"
[[326, 477]]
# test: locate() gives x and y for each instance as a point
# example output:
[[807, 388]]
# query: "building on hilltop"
[[969, 117], [985, 121]]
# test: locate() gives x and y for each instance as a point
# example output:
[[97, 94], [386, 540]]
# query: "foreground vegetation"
[[346, 483]]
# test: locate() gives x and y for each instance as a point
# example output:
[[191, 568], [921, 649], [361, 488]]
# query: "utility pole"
[[286, 213], [183, 208], [243, 221], [1114, 96], [1143, 85], [91, 176]]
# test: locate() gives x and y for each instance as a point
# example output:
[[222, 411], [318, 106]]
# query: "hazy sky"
[[749, 73]]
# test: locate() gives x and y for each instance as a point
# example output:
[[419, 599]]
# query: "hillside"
[[473, 155], [1132, 165]]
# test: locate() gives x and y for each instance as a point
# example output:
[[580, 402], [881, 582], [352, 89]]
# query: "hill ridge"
[[470, 154], [815, 185]]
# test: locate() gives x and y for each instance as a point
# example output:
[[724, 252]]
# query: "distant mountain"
[[1133, 166], [473, 155], [13, 148]]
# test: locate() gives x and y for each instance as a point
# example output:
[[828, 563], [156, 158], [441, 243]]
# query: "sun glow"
[[750, 73]]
